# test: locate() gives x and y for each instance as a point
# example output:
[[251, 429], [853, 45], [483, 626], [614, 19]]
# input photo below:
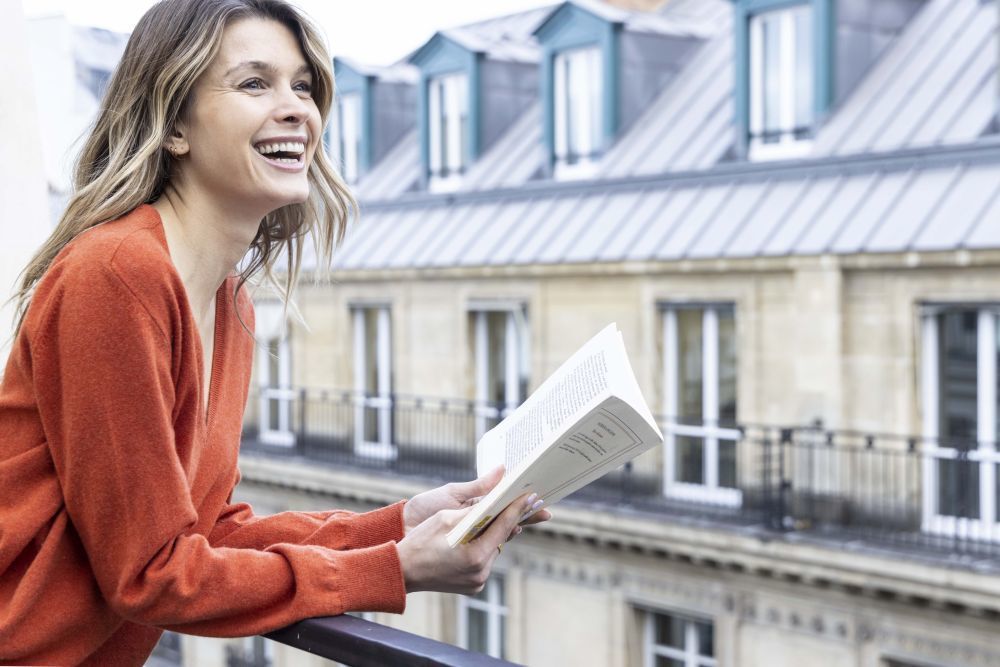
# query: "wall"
[[24, 214]]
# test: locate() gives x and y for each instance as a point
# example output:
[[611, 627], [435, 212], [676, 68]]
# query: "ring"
[[500, 548]]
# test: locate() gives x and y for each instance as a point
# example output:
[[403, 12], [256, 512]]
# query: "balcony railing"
[[359, 643], [941, 497]]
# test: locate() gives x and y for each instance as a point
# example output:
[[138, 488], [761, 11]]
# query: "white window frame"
[[517, 356], [787, 147], [496, 615], [689, 656], [381, 398], [578, 117], [986, 527], [270, 327], [711, 433], [349, 121], [447, 101]]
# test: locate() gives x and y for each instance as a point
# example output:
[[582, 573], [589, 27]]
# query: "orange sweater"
[[115, 486]]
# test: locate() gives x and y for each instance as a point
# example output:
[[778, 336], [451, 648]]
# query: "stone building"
[[792, 211]]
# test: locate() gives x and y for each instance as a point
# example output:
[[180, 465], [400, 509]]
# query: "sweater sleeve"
[[102, 374], [239, 527]]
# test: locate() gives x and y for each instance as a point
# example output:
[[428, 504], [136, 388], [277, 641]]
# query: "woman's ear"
[[176, 143]]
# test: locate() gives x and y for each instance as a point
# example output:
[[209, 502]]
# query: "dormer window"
[[781, 89], [448, 119], [577, 118], [349, 112]]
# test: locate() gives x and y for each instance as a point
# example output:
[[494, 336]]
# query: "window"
[[700, 435], [577, 121], [781, 83], [960, 395], [448, 118], [896, 662], [482, 619], [349, 114], [373, 421], [674, 641], [501, 361], [274, 375], [167, 651], [250, 652]]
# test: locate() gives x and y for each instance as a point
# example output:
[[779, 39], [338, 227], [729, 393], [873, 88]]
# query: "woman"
[[121, 404]]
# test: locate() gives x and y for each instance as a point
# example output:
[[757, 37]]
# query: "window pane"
[[668, 631], [501, 587], [662, 661], [350, 135], [689, 460], [273, 362], [727, 464], [958, 487], [689, 365], [503, 638], [561, 104], [771, 72], [706, 640], [727, 367], [496, 335], [803, 69], [477, 628]]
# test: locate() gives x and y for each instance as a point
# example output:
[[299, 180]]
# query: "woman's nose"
[[291, 108]]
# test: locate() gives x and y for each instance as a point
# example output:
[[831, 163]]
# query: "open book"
[[586, 419]]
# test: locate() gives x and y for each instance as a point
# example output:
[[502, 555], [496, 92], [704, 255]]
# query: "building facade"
[[792, 211]]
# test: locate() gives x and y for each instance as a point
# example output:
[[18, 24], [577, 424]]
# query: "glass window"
[[700, 396], [373, 381], [483, 619], [961, 390], [577, 117], [448, 120], [781, 82], [501, 363], [349, 109], [274, 376], [678, 641]]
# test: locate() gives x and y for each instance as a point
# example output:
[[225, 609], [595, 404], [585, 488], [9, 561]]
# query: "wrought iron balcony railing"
[[941, 496]]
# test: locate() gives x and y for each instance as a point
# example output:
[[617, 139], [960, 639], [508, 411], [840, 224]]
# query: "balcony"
[[938, 499], [358, 643]]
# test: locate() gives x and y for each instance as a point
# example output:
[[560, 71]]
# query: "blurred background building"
[[791, 208]]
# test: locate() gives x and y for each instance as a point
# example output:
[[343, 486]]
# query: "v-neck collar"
[[218, 338]]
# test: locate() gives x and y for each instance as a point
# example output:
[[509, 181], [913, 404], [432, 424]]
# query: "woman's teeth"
[[280, 151]]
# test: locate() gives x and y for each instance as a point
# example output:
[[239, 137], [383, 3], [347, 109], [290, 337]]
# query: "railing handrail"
[[833, 435], [360, 643]]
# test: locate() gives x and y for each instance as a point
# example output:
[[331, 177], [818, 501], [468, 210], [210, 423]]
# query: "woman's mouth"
[[286, 155]]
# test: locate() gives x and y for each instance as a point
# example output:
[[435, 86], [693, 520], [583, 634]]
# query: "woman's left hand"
[[457, 495]]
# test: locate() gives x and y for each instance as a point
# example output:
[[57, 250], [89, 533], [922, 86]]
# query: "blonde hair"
[[123, 162]]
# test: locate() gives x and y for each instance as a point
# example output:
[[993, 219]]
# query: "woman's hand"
[[429, 564], [456, 496]]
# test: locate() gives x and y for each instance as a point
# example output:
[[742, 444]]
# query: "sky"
[[374, 32]]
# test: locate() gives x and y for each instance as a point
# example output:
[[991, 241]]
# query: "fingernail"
[[536, 505], [531, 500]]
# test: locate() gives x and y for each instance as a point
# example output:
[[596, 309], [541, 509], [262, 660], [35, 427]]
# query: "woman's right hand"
[[429, 564]]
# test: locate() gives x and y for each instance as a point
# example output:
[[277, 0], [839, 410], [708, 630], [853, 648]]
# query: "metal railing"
[[941, 497], [359, 643]]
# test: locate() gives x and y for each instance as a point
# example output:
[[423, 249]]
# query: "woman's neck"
[[206, 241]]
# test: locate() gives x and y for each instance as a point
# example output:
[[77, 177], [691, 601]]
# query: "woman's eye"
[[304, 87], [252, 84]]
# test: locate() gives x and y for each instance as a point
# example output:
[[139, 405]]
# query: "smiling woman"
[[122, 401]]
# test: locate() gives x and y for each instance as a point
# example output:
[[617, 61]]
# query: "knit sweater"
[[116, 513]]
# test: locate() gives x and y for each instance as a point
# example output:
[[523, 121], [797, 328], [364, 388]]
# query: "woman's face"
[[252, 127]]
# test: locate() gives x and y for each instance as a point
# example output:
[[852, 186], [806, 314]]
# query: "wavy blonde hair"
[[123, 162]]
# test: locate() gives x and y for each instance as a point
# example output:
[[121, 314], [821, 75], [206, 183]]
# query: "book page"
[[578, 384], [574, 392], [603, 439]]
